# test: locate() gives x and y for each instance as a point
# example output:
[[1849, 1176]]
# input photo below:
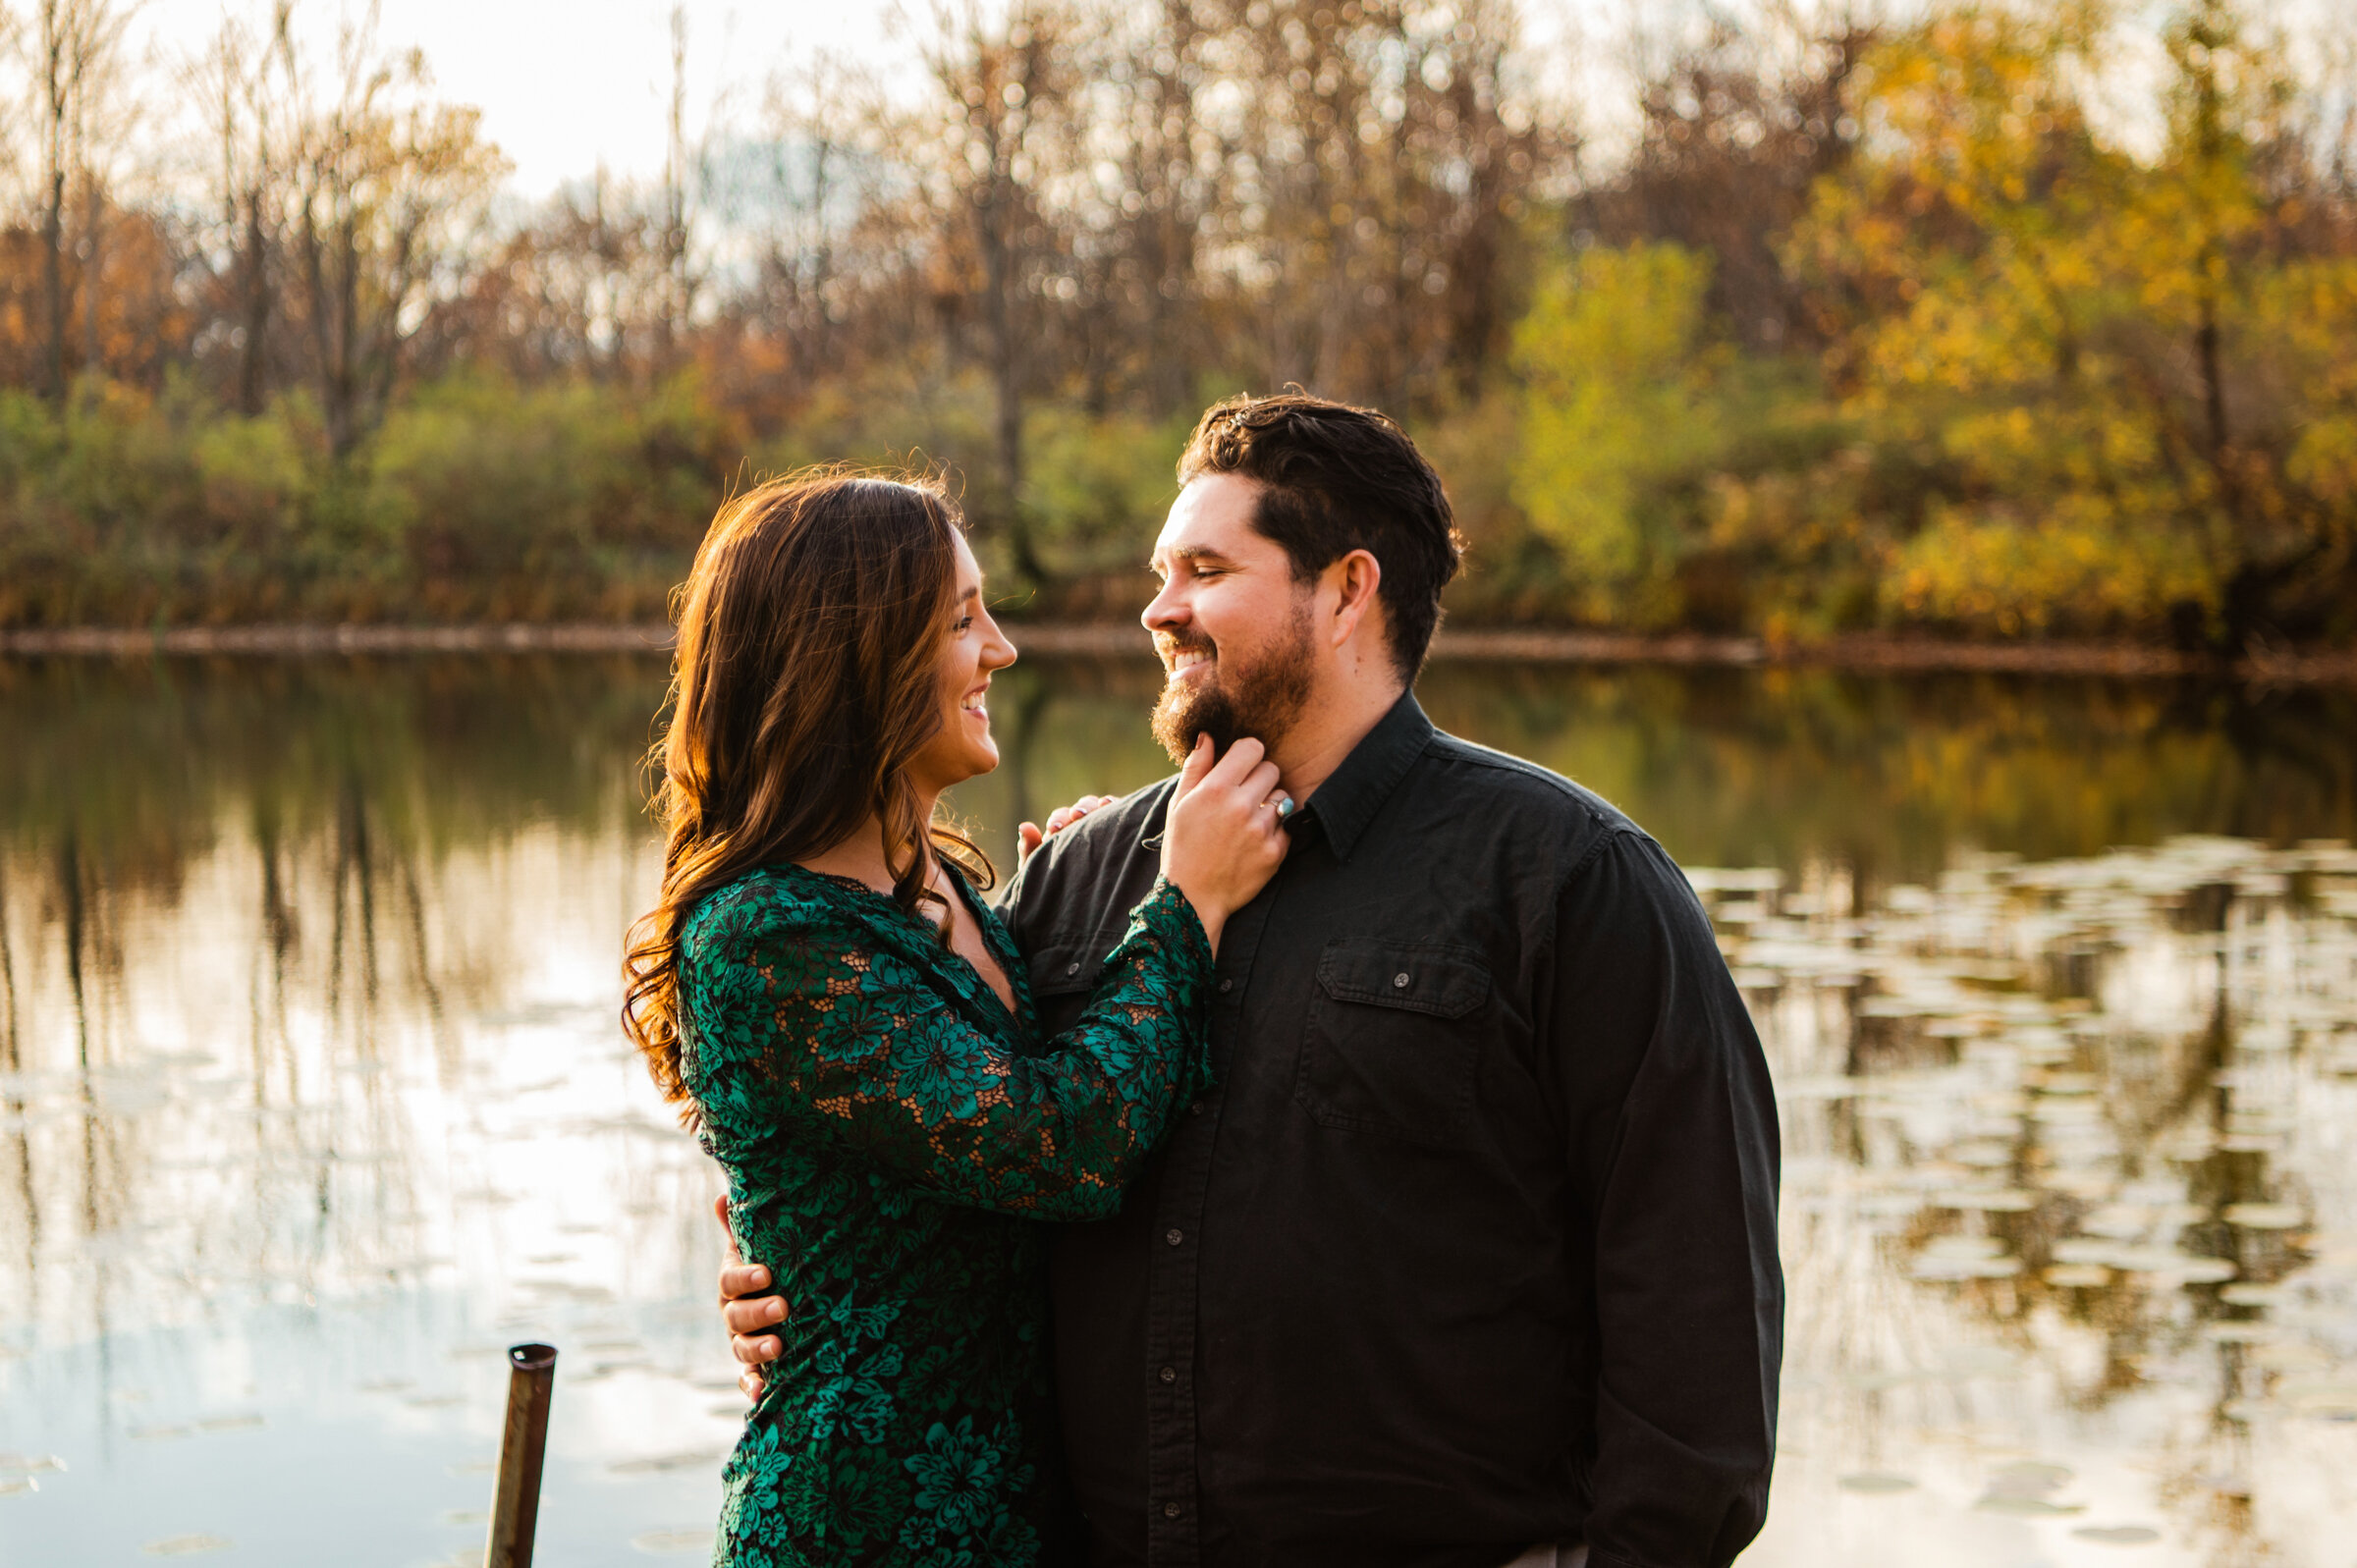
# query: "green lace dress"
[[890, 1131]]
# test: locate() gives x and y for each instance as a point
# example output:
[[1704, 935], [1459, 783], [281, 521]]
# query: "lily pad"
[[2031, 1473], [2240, 1333], [2263, 1216], [215, 1424], [2203, 1272], [2289, 1356], [1963, 1247], [1936, 1268], [1979, 1360], [1988, 1200], [2024, 1507], [2025, 1489], [2332, 1400], [692, 1460], [187, 1546], [661, 1542]]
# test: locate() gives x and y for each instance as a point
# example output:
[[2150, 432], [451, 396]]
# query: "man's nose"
[[1164, 611]]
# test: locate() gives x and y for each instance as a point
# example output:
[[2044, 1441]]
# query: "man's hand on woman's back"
[[1033, 836], [749, 1316]]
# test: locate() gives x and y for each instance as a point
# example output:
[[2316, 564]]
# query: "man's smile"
[[1179, 661]]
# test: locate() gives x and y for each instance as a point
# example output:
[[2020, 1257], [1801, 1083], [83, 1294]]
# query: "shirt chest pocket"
[[1393, 1042]]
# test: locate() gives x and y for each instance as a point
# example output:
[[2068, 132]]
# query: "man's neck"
[[1333, 722]]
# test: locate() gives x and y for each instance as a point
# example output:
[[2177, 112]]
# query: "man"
[[1471, 1258]]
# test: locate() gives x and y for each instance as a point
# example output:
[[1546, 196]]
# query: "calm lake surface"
[[312, 1098]]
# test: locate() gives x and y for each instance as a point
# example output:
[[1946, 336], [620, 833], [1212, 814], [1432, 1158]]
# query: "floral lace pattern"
[[886, 1125]]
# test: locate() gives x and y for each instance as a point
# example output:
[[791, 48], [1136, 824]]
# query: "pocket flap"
[[1059, 970], [1431, 977]]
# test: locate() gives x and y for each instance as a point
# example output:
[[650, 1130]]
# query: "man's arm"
[[1673, 1149]]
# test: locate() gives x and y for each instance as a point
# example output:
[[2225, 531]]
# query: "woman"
[[853, 1032]]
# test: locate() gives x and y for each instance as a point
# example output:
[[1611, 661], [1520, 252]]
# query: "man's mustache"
[[1171, 644]]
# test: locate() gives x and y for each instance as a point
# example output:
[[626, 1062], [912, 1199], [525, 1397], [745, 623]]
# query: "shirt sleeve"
[[1674, 1159], [800, 1021]]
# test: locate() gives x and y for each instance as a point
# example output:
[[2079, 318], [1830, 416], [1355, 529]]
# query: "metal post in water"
[[516, 1506]]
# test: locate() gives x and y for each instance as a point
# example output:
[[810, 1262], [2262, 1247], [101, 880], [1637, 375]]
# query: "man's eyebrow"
[[1189, 553]]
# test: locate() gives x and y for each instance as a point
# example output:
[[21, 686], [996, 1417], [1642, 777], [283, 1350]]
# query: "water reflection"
[[2068, 1213], [310, 1096]]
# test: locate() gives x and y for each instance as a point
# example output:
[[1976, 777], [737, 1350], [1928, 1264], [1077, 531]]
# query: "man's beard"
[[1262, 701]]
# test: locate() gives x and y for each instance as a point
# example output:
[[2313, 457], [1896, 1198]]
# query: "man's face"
[[1232, 625]]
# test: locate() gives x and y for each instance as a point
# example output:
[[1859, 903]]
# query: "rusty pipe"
[[516, 1504]]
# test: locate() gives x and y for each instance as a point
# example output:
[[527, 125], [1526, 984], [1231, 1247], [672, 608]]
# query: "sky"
[[566, 85], [594, 88]]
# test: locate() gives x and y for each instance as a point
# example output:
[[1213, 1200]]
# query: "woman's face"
[[963, 748]]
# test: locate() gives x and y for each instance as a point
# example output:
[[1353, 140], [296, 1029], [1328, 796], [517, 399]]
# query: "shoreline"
[[1866, 653]]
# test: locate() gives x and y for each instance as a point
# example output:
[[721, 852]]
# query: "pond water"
[[311, 1097]]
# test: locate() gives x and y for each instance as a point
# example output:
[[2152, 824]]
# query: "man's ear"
[[1354, 578]]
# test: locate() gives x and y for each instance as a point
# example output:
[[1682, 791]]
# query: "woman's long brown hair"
[[811, 629]]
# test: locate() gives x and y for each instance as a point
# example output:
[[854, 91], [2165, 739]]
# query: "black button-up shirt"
[[1474, 1246]]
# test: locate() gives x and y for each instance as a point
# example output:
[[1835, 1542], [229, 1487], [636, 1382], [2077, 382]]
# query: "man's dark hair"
[[1335, 479]]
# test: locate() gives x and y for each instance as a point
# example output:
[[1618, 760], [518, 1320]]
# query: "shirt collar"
[[1354, 792], [1351, 796]]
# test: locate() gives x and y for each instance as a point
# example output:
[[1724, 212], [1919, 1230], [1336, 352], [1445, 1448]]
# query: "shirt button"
[[1072, 968], [1169, 1374], [1195, 1108], [1169, 1510], [1227, 986], [1399, 982], [1174, 1235]]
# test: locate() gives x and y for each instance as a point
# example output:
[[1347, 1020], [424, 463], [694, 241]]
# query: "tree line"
[[1852, 319]]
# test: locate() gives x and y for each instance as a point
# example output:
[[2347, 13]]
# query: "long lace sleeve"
[[801, 1024]]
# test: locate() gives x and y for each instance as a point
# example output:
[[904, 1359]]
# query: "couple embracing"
[[1351, 1151]]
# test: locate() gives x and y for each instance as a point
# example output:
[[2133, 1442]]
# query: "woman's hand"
[[1059, 819], [1226, 833]]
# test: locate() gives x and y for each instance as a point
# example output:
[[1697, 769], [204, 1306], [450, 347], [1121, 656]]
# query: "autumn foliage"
[[1950, 323]]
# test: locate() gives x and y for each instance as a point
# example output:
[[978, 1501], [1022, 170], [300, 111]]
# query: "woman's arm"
[[796, 1017]]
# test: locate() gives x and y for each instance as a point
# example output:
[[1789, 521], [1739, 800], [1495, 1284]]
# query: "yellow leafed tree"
[[1613, 402], [2129, 394]]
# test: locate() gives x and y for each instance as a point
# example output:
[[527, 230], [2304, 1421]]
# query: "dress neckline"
[[960, 969]]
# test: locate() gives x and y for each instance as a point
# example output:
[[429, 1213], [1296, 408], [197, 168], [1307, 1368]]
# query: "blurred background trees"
[[1982, 321]]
